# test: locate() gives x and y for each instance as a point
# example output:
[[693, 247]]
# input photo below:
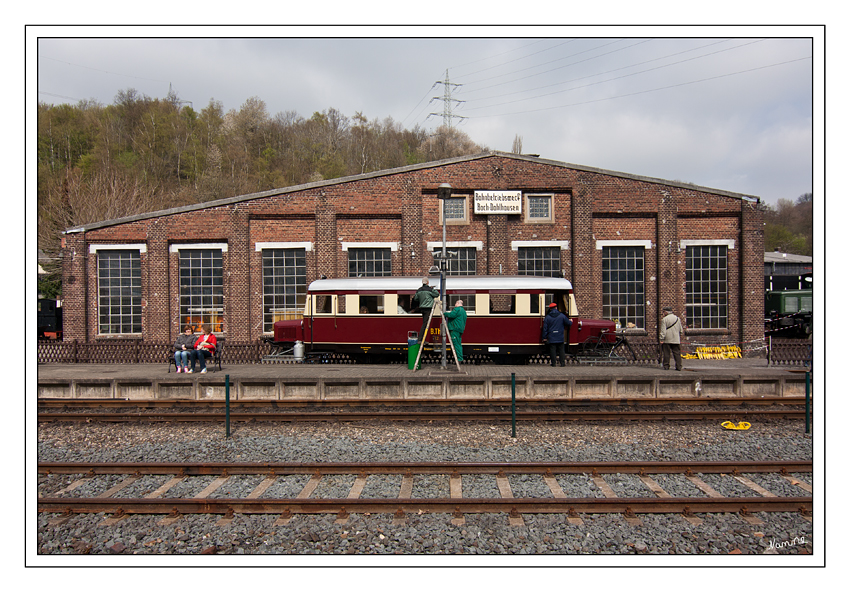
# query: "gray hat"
[[667, 308]]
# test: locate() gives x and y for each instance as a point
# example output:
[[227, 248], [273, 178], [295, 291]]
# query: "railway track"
[[318, 411], [212, 477]]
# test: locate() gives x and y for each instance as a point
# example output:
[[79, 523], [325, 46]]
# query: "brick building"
[[629, 244]]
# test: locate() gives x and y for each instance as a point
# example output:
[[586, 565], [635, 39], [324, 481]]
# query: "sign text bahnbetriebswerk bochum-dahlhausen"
[[498, 202]]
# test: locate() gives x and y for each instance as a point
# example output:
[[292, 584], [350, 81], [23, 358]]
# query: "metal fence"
[[138, 352], [795, 352], [789, 352]]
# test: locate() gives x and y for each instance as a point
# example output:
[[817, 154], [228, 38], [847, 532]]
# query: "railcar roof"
[[469, 284]]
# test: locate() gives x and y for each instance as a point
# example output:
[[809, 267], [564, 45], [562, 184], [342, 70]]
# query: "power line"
[[623, 76], [613, 70], [420, 102], [516, 59], [553, 61], [649, 90]]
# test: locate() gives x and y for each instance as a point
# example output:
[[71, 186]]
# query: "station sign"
[[498, 202]]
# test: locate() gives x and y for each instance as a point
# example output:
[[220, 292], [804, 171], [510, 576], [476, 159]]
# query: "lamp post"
[[444, 192]]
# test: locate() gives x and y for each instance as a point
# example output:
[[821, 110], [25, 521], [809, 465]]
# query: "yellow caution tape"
[[731, 426]]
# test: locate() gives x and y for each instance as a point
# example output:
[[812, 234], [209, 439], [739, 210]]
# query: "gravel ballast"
[[426, 534]]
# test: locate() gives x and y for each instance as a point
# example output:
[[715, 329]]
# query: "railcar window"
[[119, 284], [324, 304], [403, 306], [468, 301], [371, 305]]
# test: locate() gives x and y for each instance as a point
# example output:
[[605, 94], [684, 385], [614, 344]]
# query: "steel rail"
[[341, 468], [179, 506], [352, 416], [321, 403]]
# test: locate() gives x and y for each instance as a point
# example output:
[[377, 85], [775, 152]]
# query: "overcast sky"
[[729, 109]]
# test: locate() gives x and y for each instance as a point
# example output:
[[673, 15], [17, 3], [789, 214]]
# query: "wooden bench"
[[212, 363]]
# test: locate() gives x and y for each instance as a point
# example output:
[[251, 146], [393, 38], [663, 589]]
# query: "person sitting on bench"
[[204, 348]]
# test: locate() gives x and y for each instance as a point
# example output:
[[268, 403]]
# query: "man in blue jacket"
[[556, 328]]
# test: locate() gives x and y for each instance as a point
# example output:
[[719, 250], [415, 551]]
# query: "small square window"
[[539, 208], [456, 210]]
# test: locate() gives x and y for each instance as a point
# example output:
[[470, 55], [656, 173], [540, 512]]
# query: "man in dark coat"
[[424, 299], [556, 328]]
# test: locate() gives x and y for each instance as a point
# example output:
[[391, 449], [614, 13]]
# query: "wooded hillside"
[[140, 154]]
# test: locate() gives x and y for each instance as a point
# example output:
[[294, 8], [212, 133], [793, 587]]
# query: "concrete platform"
[[351, 382]]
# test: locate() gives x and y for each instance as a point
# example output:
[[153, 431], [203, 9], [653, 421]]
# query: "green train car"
[[788, 313]]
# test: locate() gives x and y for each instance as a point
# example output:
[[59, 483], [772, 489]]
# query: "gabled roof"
[[777, 257], [396, 171]]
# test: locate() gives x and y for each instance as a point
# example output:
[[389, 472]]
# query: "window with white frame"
[[119, 292], [623, 291], [461, 260], [538, 208], [706, 286], [284, 285], [369, 262], [201, 288], [455, 210], [541, 261]]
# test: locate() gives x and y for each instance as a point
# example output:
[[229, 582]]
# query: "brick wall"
[[589, 205]]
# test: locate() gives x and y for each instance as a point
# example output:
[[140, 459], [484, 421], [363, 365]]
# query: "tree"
[[789, 226], [516, 148]]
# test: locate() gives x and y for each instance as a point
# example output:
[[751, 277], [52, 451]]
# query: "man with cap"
[[670, 336], [424, 299], [556, 327]]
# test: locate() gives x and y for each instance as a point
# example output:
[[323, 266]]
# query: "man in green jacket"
[[424, 300], [456, 321]]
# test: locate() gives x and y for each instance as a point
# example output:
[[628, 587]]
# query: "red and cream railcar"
[[370, 319]]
